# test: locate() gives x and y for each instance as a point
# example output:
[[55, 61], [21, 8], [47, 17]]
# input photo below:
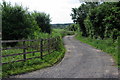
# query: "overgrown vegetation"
[[98, 20], [33, 64], [119, 52], [72, 27], [99, 25], [18, 23]]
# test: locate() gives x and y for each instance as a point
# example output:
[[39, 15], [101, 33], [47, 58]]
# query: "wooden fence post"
[[24, 50], [48, 46], [33, 48], [41, 48], [56, 43]]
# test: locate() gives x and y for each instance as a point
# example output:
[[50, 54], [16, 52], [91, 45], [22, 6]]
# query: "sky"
[[59, 10]]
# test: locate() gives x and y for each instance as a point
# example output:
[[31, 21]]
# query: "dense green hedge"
[[103, 21], [72, 27], [98, 20], [19, 23], [99, 25]]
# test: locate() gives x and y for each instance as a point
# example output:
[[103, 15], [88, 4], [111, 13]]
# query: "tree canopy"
[[98, 20], [19, 23], [79, 14]]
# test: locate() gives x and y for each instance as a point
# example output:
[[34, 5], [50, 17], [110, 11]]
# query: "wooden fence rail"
[[40, 46]]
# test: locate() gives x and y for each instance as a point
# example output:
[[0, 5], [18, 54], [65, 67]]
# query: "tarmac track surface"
[[80, 61]]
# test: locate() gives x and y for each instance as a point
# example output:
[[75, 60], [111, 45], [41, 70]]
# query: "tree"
[[72, 27], [17, 22], [98, 20], [43, 20], [104, 24], [79, 15]]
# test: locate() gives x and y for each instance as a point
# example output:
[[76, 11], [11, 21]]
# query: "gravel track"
[[80, 61]]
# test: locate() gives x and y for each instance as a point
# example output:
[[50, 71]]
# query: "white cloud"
[[59, 10]]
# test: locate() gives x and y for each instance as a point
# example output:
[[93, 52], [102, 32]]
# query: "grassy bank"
[[105, 45], [37, 63], [62, 32], [34, 64]]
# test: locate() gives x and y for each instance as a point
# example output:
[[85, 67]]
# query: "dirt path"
[[80, 61]]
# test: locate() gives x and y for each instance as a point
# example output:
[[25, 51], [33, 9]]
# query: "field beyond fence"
[[27, 49]]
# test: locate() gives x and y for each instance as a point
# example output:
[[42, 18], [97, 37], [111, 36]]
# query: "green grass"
[[119, 51], [105, 45], [31, 65], [62, 32], [58, 32], [19, 57], [0, 71], [54, 33]]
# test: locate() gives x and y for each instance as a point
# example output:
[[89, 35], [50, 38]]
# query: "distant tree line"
[[98, 20], [19, 23], [60, 26]]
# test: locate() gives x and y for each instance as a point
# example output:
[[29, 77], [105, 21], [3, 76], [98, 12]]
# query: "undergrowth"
[[37, 63]]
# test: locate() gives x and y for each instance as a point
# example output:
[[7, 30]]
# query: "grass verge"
[[105, 45], [34, 64]]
